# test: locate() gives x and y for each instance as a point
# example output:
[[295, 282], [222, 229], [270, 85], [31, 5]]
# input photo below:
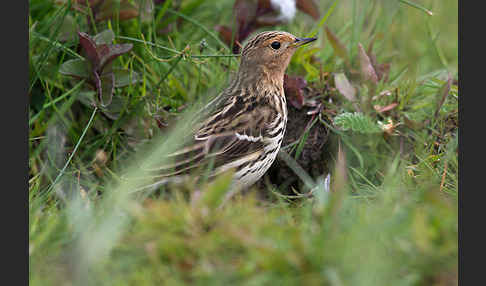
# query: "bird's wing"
[[231, 136]]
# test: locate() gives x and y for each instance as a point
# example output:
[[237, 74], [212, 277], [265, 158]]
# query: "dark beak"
[[302, 41]]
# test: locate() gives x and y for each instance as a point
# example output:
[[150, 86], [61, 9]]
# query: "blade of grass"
[[41, 64], [303, 139], [162, 11], [357, 27], [363, 177], [75, 88], [58, 45], [173, 50], [298, 170], [197, 23], [34, 118], [171, 69], [415, 5], [91, 17], [46, 194], [323, 20], [64, 108], [437, 48]]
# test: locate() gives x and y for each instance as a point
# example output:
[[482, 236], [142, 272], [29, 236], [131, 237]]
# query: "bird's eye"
[[275, 45]]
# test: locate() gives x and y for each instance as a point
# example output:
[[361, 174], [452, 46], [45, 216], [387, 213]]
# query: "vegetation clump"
[[363, 192]]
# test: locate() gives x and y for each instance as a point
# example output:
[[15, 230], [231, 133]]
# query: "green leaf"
[[87, 97], [105, 37], [76, 68], [107, 89], [415, 5], [125, 77], [357, 122], [116, 107]]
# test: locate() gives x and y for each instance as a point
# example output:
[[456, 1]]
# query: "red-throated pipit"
[[246, 124]]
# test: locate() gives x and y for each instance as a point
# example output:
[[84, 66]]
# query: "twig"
[[443, 177], [174, 51]]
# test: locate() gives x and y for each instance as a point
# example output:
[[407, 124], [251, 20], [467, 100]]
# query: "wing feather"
[[231, 135]]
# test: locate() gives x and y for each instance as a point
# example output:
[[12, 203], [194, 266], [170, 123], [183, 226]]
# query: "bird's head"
[[270, 52]]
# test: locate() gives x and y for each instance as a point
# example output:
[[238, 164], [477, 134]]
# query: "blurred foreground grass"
[[391, 218]]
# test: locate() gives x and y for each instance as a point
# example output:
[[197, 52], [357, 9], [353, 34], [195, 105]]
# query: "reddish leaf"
[[128, 13], [444, 91], [309, 7], [245, 13], [366, 68], [89, 47], [382, 70], [99, 73], [253, 14], [267, 21], [389, 107], [293, 87], [107, 10], [225, 34], [101, 55], [264, 6], [112, 52]]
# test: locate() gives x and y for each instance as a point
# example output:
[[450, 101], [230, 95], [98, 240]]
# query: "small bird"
[[244, 126]]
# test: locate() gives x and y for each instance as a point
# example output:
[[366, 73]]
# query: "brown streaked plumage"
[[245, 127]]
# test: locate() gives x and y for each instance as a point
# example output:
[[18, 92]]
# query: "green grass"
[[391, 218]]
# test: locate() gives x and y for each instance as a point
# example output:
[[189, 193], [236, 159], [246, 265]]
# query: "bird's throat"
[[262, 78]]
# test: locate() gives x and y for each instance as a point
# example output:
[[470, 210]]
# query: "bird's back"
[[242, 130]]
